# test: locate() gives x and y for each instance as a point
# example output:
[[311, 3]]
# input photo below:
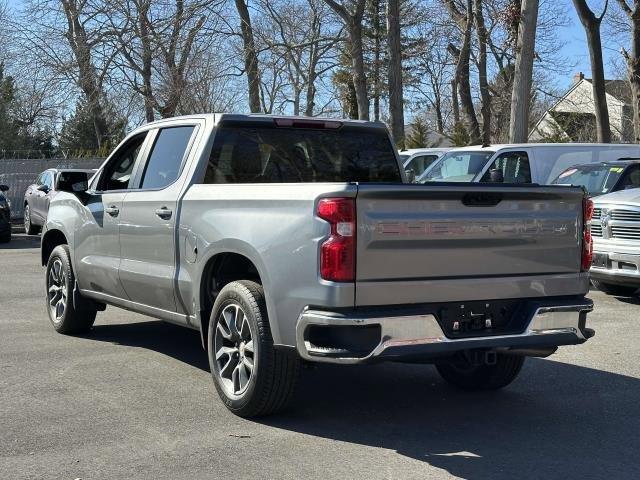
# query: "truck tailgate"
[[421, 243]]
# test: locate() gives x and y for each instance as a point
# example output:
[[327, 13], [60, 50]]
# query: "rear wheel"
[[60, 281], [251, 376], [613, 289], [462, 374], [29, 227]]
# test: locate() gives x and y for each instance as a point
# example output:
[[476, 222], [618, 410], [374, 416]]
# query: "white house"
[[572, 118]]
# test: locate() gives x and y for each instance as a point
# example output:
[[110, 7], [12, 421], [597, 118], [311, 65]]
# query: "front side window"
[[165, 161], [117, 174], [48, 180], [632, 179], [456, 167], [289, 155], [421, 163], [514, 166]]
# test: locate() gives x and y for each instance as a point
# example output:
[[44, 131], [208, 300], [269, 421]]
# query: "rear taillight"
[[338, 252], [587, 242]]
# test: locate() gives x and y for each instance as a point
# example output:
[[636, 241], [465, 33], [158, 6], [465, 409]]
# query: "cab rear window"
[[257, 154]]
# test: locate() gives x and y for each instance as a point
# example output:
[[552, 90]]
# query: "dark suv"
[[5, 215], [39, 194]]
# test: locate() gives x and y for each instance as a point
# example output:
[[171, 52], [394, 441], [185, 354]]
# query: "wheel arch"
[[50, 240], [219, 270]]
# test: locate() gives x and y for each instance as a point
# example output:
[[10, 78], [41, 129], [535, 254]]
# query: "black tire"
[[62, 312], [29, 227], [274, 373], [614, 289], [462, 374], [6, 238]]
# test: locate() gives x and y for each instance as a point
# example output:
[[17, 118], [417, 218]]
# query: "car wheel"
[[614, 289], [462, 374], [29, 228], [251, 376], [60, 280]]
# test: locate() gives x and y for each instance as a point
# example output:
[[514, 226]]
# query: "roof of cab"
[[262, 117]]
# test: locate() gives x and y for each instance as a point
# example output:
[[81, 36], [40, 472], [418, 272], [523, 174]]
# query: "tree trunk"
[[485, 96], [376, 60], [633, 67], [591, 25], [87, 76], [359, 75], [396, 106], [250, 56], [438, 109], [521, 94], [463, 57], [455, 107]]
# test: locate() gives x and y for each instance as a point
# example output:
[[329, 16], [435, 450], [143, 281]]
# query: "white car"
[[419, 159], [520, 163]]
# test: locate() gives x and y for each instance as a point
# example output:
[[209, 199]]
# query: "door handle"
[[164, 213], [112, 210]]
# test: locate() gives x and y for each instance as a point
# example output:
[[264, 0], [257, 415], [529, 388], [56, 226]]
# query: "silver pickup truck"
[[289, 240]]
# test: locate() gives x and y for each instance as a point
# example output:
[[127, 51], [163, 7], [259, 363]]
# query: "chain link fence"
[[19, 173]]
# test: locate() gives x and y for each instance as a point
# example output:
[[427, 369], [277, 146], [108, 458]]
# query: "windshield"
[[456, 167], [597, 179]]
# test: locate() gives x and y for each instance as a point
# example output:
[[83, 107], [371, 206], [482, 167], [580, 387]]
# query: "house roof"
[[618, 89]]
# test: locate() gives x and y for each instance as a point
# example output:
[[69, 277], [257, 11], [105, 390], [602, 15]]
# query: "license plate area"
[[483, 318], [600, 260]]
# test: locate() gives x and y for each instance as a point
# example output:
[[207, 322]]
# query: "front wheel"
[[464, 375], [60, 280], [29, 227], [251, 376], [614, 289]]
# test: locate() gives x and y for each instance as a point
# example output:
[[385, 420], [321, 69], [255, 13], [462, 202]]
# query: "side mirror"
[[411, 176], [43, 188], [496, 175], [4, 188]]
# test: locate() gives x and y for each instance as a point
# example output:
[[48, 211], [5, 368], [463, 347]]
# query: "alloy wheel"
[[234, 350], [57, 289], [27, 219]]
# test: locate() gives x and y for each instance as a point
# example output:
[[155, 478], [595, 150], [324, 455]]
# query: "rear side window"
[[165, 160], [291, 155]]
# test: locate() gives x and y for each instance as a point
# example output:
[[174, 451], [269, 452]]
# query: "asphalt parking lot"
[[134, 399]]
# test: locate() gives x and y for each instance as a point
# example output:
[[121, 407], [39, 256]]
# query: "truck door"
[[147, 223], [97, 244]]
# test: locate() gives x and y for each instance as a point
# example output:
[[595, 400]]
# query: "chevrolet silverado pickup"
[[287, 240]]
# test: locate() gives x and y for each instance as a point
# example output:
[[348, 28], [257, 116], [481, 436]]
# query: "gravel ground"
[[134, 399]]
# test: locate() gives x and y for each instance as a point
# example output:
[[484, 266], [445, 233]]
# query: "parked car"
[[603, 177], [419, 159], [283, 239], [38, 195], [616, 238], [5, 215], [520, 163]]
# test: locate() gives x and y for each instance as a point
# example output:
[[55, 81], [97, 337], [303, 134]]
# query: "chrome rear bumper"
[[421, 335]]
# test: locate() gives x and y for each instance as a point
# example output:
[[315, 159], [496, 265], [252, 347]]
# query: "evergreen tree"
[[78, 132]]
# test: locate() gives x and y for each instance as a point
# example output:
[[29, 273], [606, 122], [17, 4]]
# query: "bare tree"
[[303, 34], [351, 13], [396, 102], [485, 95], [591, 24], [464, 20], [525, 50], [250, 56], [632, 12]]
